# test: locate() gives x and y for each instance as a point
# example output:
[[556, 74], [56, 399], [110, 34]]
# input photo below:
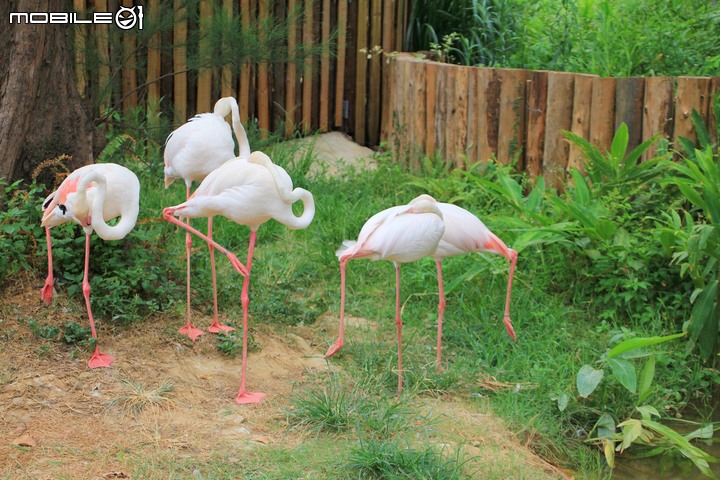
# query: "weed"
[[134, 397], [231, 343]]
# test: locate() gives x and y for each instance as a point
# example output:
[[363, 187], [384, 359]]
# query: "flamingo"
[[465, 233], [192, 151], [249, 192], [90, 196], [400, 234]]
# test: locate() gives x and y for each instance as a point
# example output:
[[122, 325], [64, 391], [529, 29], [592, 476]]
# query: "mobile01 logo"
[[125, 18]]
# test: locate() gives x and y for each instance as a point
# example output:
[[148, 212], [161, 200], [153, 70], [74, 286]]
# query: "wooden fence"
[[337, 90], [470, 114]]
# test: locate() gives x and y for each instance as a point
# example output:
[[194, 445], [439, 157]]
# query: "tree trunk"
[[42, 114]]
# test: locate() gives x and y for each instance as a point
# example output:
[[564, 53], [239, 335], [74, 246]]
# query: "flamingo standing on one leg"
[[91, 196], [400, 234], [249, 192], [192, 151], [465, 233]]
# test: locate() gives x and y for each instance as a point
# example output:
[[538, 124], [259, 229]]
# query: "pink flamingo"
[[90, 196], [465, 233], [192, 151], [400, 234], [249, 192]]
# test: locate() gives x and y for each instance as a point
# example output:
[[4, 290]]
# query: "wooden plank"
[[419, 118], [80, 45], [658, 111], [511, 122], [713, 123], [439, 120], [180, 62], [692, 93], [291, 71], [602, 113], [153, 57], [374, 99], [204, 83], [559, 118], [387, 43], [629, 98], [350, 68], [226, 79], [104, 87], [244, 76], [129, 73], [307, 80], [582, 103], [325, 69], [263, 85], [471, 133], [488, 107], [388, 93], [340, 71], [458, 116], [363, 13], [431, 95], [536, 116]]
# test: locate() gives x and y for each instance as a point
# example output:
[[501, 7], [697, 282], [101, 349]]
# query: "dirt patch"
[[59, 419], [335, 154]]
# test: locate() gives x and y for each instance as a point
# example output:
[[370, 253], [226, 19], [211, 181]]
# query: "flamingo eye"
[[63, 209]]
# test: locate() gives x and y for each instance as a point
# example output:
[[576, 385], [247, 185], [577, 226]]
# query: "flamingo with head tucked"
[[192, 151], [465, 233], [90, 196], [249, 192], [400, 234]]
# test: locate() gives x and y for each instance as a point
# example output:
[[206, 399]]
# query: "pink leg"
[[441, 313], [398, 325], [239, 267], [216, 326], [243, 395], [98, 359], [47, 290], [341, 333], [189, 330], [506, 318]]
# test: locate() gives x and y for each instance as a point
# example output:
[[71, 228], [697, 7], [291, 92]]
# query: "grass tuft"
[[135, 398]]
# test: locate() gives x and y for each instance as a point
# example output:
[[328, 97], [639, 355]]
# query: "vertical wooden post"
[[244, 80], [431, 72], [361, 71], [457, 119], [658, 111], [602, 112], [263, 90], [559, 118], [511, 124], [629, 97], [325, 69], [180, 62], [226, 83], [340, 70], [373, 100], [204, 83], [129, 74], [692, 93], [80, 45], [307, 77], [291, 71], [488, 107], [582, 102], [104, 86], [153, 59], [537, 98]]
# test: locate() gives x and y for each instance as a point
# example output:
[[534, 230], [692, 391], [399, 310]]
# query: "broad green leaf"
[[703, 319], [635, 343], [696, 455], [631, 431], [646, 378], [705, 432], [624, 372], [606, 426], [619, 144], [609, 449], [700, 129], [588, 379], [605, 229], [647, 411], [563, 401]]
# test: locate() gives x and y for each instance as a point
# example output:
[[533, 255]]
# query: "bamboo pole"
[[180, 61], [307, 80], [325, 69], [244, 87], [153, 60], [104, 87], [263, 97], [361, 71], [226, 83], [340, 71], [204, 83]]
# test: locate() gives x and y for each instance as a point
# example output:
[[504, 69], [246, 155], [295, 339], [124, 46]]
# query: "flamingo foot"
[[244, 397], [190, 331], [100, 360], [218, 327], [334, 348], [509, 327], [47, 290]]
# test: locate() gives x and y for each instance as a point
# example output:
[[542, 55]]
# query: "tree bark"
[[42, 114]]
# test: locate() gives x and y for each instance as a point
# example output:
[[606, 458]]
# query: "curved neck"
[[97, 220], [229, 105], [293, 222]]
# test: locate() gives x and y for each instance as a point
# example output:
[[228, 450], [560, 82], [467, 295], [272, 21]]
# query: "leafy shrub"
[[20, 229]]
